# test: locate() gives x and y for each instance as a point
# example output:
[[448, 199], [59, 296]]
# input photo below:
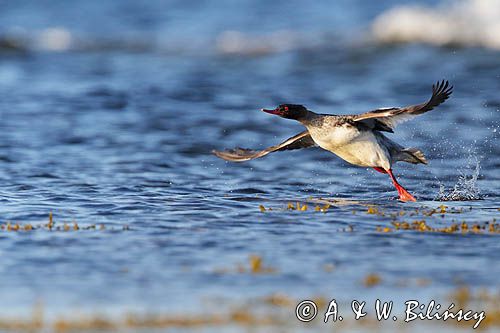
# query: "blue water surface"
[[109, 112]]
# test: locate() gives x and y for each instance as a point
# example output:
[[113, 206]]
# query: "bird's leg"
[[403, 193], [381, 170]]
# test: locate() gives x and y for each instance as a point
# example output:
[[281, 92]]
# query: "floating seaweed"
[[255, 265], [52, 226]]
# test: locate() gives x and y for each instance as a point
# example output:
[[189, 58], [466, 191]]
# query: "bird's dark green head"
[[289, 111]]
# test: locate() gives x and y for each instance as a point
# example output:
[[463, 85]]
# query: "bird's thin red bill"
[[274, 111]]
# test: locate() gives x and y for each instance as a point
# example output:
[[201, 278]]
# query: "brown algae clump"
[[371, 280], [296, 206], [256, 266], [51, 226], [463, 227]]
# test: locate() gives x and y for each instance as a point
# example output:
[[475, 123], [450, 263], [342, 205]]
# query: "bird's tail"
[[412, 155]]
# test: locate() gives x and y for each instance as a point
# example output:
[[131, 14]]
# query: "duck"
[[357, 139]]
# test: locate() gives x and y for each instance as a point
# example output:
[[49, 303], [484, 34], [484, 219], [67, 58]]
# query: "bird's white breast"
[[356, 147]]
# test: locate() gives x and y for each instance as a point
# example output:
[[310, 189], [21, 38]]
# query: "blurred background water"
[[109, 111]]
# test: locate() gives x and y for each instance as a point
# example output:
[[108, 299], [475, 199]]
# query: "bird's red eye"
[[286, 108]]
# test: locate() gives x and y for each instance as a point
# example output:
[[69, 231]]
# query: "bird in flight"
[[357, 139]]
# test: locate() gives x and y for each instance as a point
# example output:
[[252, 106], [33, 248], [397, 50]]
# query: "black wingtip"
[[443, 88]]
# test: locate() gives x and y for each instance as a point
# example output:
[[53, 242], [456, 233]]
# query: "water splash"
[[464, 190]]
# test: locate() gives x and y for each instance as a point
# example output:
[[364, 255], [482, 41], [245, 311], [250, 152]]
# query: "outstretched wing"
[[301, 140], [388, 119]]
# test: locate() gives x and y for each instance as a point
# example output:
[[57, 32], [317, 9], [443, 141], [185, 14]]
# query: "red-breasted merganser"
[[356, 139]]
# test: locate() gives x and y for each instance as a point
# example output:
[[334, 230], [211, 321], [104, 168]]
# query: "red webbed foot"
[[404, 195]]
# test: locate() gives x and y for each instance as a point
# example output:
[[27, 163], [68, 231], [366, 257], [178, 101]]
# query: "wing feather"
[[299, 141], [391, 117]]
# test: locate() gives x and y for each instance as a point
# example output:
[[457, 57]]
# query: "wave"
[[465, 23], [61, 39], [236, 42], [229, 42]]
